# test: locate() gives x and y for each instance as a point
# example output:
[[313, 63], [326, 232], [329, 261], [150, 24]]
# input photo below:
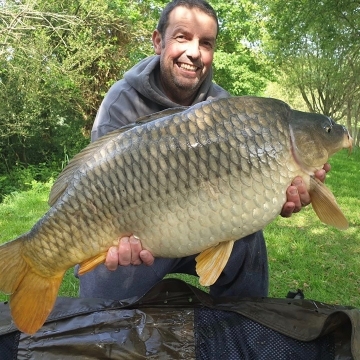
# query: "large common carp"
[[189, 182]]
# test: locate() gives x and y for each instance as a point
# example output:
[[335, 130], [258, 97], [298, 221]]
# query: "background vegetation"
[[58, 59]]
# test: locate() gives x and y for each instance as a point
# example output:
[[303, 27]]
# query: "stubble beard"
[[178, 90]]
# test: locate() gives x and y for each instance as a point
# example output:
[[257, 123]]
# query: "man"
[[179, 74]]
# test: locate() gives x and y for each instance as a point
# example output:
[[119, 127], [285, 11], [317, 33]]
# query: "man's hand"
[[297, 194], [129, 251]]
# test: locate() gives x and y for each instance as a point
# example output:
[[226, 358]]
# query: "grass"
[[321, 260], [303, 253], [19, 212]]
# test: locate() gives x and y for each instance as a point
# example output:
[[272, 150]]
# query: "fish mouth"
[[348, 140]]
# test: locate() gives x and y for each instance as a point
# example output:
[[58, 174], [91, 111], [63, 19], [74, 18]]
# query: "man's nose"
[[193, 49]]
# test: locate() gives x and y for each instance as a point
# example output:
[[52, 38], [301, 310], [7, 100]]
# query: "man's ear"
[[157, 42]]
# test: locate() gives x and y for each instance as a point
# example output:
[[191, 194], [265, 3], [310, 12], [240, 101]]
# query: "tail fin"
[[33, 295], [12, 266]]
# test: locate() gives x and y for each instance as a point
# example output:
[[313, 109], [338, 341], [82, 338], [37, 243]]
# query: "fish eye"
[[328, 127]]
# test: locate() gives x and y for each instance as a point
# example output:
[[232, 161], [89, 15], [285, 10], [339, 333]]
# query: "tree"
[[240, 65], [315, 46], [57, 59]]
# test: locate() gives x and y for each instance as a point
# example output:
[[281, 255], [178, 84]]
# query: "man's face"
[[186, 52]]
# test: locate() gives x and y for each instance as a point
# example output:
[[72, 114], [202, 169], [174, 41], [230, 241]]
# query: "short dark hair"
[[199, 4]]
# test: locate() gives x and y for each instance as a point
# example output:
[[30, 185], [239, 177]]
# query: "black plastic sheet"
[[177, 321]]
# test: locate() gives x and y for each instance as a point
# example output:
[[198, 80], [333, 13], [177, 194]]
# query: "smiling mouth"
[[187, 67]]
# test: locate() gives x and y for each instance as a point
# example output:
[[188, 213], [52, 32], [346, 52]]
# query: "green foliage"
[[240, 72], [315, 48], [335, 23], [239, 64], [61, 58], [24, 178]]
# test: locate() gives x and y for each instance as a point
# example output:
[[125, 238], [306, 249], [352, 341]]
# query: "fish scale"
[[184, 183]]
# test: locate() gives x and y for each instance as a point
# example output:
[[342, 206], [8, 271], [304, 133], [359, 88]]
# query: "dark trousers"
[[245, 275]]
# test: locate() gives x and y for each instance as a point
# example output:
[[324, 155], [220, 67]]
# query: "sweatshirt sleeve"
[[120, 106]]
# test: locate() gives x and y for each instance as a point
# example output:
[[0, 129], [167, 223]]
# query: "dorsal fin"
[[74, 164], [160, 114]]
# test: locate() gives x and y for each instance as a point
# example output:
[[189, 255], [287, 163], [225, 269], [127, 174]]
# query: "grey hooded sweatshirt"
[[140, 93]]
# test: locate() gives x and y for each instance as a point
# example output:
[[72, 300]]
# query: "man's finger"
[[135, 246], [287, 209], [320, 174], [124, 254], [327, 167], [146, 257], [112, 258], [304, 196]]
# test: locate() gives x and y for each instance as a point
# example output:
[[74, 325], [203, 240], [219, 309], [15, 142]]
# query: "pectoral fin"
[[211, 262], [91, 263], [325, 206]]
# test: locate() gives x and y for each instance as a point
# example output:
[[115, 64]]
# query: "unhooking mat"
[[175, 320]]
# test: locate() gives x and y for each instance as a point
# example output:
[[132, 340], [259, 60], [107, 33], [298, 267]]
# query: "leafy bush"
[[23, 178]]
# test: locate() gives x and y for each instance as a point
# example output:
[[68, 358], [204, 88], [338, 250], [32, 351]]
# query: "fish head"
[[314, 138]]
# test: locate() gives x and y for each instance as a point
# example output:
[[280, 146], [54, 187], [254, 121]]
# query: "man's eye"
[[208, 44]]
